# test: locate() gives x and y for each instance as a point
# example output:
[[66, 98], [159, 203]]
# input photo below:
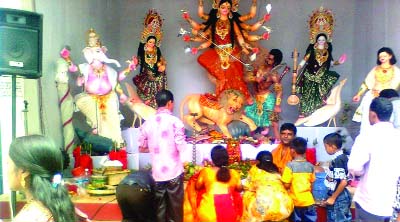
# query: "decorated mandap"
[[245, 106]]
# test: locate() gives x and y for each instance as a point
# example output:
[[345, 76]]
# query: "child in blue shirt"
[[339, 198]]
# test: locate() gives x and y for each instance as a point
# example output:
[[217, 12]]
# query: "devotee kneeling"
[[135, 196]]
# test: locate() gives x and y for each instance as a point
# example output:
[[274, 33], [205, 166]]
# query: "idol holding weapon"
[[265, 111], [226, 34]]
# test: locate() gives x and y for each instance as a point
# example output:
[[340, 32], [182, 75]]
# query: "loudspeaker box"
[[21, 43]]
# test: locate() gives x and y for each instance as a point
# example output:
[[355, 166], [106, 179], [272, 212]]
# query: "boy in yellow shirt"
[[298, 176]]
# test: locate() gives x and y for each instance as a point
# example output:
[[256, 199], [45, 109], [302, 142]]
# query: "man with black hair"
[[135, 197], [375, 159], [163, 135], [395, 99], [281, 154]]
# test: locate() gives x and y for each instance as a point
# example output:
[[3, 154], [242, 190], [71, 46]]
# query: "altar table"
[[203, 152], [314, 136]]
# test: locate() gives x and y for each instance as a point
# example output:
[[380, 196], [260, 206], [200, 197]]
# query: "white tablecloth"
[[203, 151]]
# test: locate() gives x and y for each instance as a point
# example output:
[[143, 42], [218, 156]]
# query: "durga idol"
[[226, 35]]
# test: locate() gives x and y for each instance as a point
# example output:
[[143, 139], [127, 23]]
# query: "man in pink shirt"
[[375, 158], [163, 135]]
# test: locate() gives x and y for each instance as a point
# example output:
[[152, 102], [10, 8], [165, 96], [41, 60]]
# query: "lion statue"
[[209, 109]]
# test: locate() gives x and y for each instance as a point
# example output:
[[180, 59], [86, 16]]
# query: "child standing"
[[339, 198], [298, 176]]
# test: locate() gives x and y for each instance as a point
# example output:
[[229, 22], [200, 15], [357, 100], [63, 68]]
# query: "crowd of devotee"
[[278, 187]]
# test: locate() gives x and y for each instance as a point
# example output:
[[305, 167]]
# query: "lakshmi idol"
[[316, 80], [152, 76]]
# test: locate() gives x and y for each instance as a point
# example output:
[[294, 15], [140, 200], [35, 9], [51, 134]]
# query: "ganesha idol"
[[99, 102]]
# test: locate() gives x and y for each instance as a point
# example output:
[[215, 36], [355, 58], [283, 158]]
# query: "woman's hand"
[[161, 68], [133, 63], [186, 38], [194, 50], [267, 17], [185, 15], [342, 58], [356, 98], [123, 98], [265, 35]]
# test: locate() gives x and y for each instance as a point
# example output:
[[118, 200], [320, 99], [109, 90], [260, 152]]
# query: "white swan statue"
[[326, 112]]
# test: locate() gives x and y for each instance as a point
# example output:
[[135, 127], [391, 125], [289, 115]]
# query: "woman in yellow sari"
[[265, 198]]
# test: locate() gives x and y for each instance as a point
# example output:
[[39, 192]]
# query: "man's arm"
[[278, 91], [180, 137], [359, 156]]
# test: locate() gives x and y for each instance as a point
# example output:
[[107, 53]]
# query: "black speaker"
[[21, 43]]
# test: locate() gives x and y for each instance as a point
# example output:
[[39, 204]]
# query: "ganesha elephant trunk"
[[97, 54], [107, 60]]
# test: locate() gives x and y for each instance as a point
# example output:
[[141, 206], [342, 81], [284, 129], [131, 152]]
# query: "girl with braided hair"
[[220, 201]]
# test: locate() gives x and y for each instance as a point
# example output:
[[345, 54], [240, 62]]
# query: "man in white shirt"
[[375, 158]]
